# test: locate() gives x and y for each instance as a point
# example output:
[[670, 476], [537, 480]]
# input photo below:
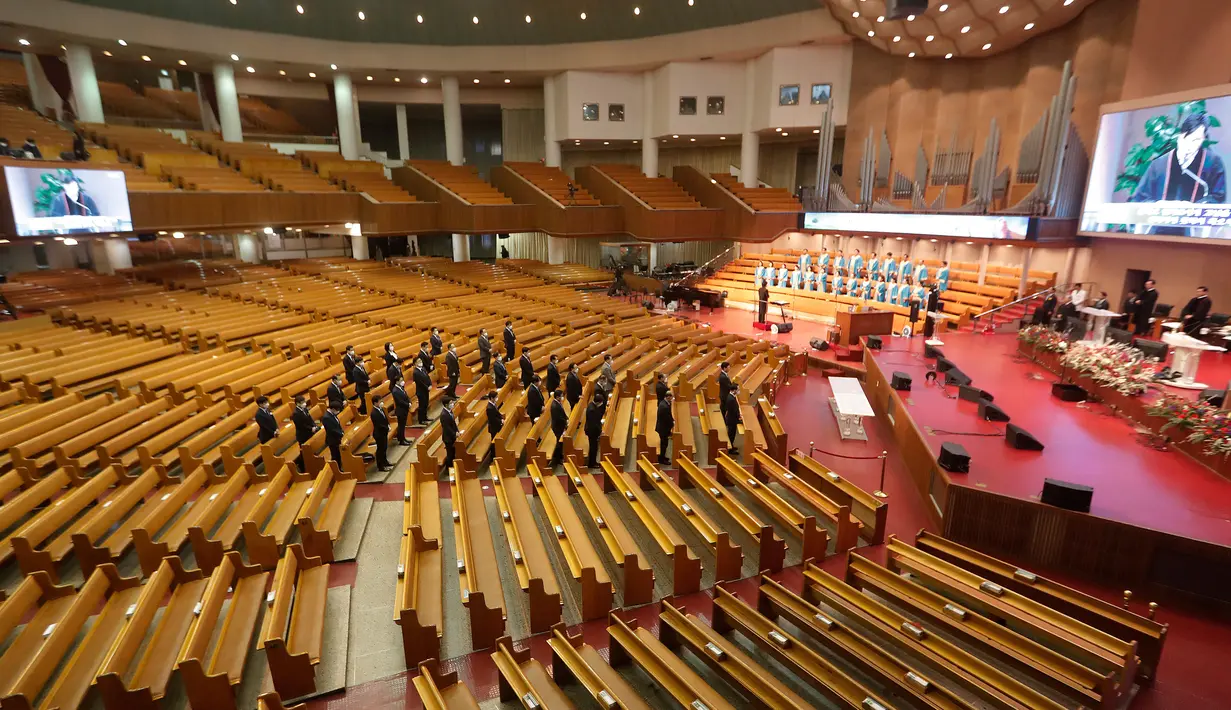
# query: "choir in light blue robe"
[[822, 280], [921, 293], [874, 266], [856, 265], [759, 273], [880, 292], [783, 275], [868, 288], [809, 280], [891, 269], [797, 279], [805, 261], [906, 271], [942, 279], [839, 265], [839, 284], [853, 287], [921, 273], [823, 261], [893, 293]]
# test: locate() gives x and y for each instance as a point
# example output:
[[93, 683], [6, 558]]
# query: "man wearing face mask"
[[1190, 173], [72, 200]]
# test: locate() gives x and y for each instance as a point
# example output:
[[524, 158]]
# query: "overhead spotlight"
[[1004, 9], [164, 72], [234, 2], [281, 72], [177, 235], [1029, 26], [694, 140], [475, 19], [476, 81], [987, 46], [235, 57], [636, 10], [871, 33], [912, 54], [508, 81], [1068, 2], [423, 80], [145, 58], [334, 67], [106, 53], [949, 55], [777, 130], [397, 79], [910, 18], [362, 16], [311, 75], [943, 7], [785, 134], [817, 130], [690, 2], [855, 14], [634, 142], [722, 138], [269, 230], [419, 19], [70, 242], [24, 42], [675, 136], [527, 19], [929, 38], [122, 43], [182, 63], [583, 15], [299, 9], [606, 142], [897, 38], [965, 29], [251, 70], [881, 18]]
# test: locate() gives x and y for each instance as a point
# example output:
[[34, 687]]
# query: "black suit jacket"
[[401, 401], [725, 385], [334, 394], [534, 402], [510, 342], [485, 346], [423, 383], [348, 367], [1145, 307], [380, 422], [452, 366], [495, 419], [527, 370], [661, 389], [559, 418], [666, 419], [305, 426], [391, 358], [363, 382], [267, 425], [333, 428], [594, 419], [437, 344], [572, 387], [426, 358], [448, 427], [392, 369], [553, 377], [1198, 308], [501, 373], [730, 411]]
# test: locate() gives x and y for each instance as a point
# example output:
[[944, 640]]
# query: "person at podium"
[[762, 302], [1101, 302], [1195, 312], [1143, 309], [1190, 173]]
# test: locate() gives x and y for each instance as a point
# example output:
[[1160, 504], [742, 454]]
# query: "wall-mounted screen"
[[1159, 172], [927, 225], [50, 201]]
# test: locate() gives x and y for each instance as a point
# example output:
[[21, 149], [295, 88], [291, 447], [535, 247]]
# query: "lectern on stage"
[[1184, 358], [854, 325], [1102, 318]]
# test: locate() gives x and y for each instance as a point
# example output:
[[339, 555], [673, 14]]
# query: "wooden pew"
[[25, 541], [632, 644], [813, 540], [772, 430], [153, 544], [524, 679], [847, 528], [211, 676], [686, 577], [418, 607], [535, 576], [572, 659], [638, 582], [481, 590], [442, 691], [292, 642], [301, 504], [870, 510], [728, 555], [771, 548], [594, 585], [983, 680]]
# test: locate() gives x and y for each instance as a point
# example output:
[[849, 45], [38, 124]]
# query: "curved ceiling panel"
[[464, 22], [955, 28]]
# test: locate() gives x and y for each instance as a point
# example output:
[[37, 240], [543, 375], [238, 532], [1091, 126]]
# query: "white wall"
[[412, 92], [574, 88], [702, 80], [804, 66]]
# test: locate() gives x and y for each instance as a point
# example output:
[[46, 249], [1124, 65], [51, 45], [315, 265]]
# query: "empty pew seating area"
[[462, 181], [185, 103], [162, 155], [40, 290], [355, 176], [554, 182], [488, 277], [18, 123], [761, 199], [259, 162], [201, 274], [577, 275], [14, 91], [121, 101], [263, 118], [658, 193]]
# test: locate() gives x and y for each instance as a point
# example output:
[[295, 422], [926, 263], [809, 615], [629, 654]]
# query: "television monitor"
[[52, 200], [1159, 171], [928, 225]]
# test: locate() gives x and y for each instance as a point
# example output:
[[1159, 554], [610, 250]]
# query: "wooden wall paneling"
[[379, 219]]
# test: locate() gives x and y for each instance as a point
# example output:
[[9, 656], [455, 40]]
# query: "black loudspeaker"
[[1068, 393], [973, 394], [1019, 438], [785, 327], [943, 365], [931, 352], [953, 457], [900, 381], [901, 9], [819, 344], [991, 412], [147, 237], [1070, 496], [956, 377], [874, 342], [1214, 397]]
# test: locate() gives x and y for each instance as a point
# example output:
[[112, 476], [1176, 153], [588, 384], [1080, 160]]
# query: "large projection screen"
[[1158, 171], [60, 199]]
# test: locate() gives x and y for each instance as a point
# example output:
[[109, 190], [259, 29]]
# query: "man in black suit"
[[559, 422], [607, 370], [448, 432], [423, 390], [724, 382], [335, 391], [553, 373], [527, 366], [510, 341], [425, 357], [348, 364], [762, 302], [333, 430], [453, 367], [1143, 309], [380, 433], [485, 351], [438, 344], [495, 418], [1195, 312], [665, 426], [500, 373], [363, 384], [305, 426], [401, 408], [572, 385], [266, 422], [731, 415], [604, 387], [534, 399], [661, 388], [594, 427], [393, 370]]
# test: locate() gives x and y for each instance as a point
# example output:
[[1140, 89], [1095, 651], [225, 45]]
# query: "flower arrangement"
[[1113, 365], [1043, 338], [1204, 424]]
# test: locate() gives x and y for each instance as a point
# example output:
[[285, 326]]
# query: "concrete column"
[[461, 247], [247, 248], [983, 256], [551, 136], [228, 102], [750, 142], [403, 133], [44, 98], [86, 98], [348, 131], [555, 250], [453, 134], [649, 143], [358, 125], [108, 255], [359, 247], [1070, 258], [653, 257], [1025, 280]]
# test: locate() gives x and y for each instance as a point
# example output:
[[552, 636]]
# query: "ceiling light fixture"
[[636, 10], [1068, 2], [871, 33], [583, 15], [24, 42], [910, 18], [949, 55], [362, 15], [106, 53], [1029, 26], [369, 77], [911, 55], [177, 235], [694, 140], [1004, 9], [234, 2], [311, 75], [508, 81], [675, 136], [987, 46], [527, 19], [929, 38], [299, 9], [123, 43], [145, 58], [965, 29], [855, 14], [419, 19], [397, 79], [182, 63], [235, 57], [881, 18], [423, 80], [281, 72], [722, 138], [784, 135], [777, 130], [333, 67], [897, 38], [943, 8], [476, 81], [606, 142], [475, 19], [251, 70], [816, 130]]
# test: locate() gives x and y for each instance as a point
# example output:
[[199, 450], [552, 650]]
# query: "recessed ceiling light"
[[183, 63], [694, 140], [234, 2], [508, 81], [634, 142], [106, 53], [778, 130], [912, 54], [63, 48], [235, 57], [123, 43], [369, 77], [24, 42], [855, 14], [164, 72], [690, 3], [675, 136], [606, 142], [897, 38], [816, 130], [251, 70], [910, 18], [929, 38], [943, 7], [1004, 9], [784, 135], [475, 19], [362, 16], [419, 19], [299, 9], [397, 79], [881, 18], [577, 143], [965, 29], [1029, 26], [987, 46], [636, 10], [583, 15], [333, 67], [311, 75], [281, 72], [871, 33], [528, 19], [476, 81], [1068, 2], [145, 57], [423, 80], [949, 55], [177, 235]]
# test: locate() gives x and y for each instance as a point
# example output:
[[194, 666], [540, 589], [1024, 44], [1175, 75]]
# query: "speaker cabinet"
[[973, 394], [1068, 392], [900, 381], [991, 412], [819, 344], [1019, 438], [874, 342], [931, 352], [953, 458], [944, 365], [956, 377], [785, 327], [1070, 496]]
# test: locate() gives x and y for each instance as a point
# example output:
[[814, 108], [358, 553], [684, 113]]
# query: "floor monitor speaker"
[[943, 364], [953, 457], [819, 344], [1019, 438], [990, 412], [956, 377], [1068, 392], [874, 342], [932, 352], [900, 381], [973, 394], [1070, 496]]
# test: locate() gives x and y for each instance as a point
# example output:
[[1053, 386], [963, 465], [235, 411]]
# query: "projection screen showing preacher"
[[928, 225], [56, 200], [1159, 171]]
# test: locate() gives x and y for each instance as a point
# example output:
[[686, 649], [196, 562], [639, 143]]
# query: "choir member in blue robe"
[[942, 277]]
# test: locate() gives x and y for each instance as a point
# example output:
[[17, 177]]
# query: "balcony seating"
[[656, 193], [554, 182], [461, 181], [761, 199], [185, 103], [121, 101], [266, 119], [18, 124]]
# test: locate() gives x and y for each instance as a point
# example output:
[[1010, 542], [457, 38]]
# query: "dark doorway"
[[1134, 280]]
